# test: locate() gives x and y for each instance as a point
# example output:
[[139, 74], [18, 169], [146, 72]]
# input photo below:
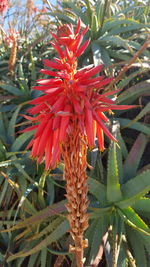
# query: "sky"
[[8, 15], [39, 2]]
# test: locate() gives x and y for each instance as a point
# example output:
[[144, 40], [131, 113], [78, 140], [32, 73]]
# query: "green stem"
[[41, 191], [147, 8], [104, 12], [114, 250]]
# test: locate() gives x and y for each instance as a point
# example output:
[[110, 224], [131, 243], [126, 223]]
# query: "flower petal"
[[89, 127], [53, 64], [100, 136], [92, 72], [82, 48], [78, 26], [102, 125], [64, 123]]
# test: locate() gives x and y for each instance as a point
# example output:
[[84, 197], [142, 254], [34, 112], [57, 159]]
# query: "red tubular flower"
[[3, 6], [70, 94]]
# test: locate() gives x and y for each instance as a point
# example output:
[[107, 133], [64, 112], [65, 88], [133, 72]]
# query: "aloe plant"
[[115, 32], [118, 213], [121, 207], [33, 225]]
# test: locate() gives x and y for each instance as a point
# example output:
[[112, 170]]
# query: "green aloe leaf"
[[43, 257], [20, 140], [137, 247], [62, 17], [138, 186], [121, 151], [133, 92], [57, 252], [141, 127], [131, 27], [113, 23], [146, 241], [97, 56], [22, 80], [132, 219], [40, 216], [97, 189], [2, 151], [94, 25], [19, 262], [11, 126], [117, 54], [125, 81], [133, 159], [59, 231], [143, 112], [76, 11], [3, 132], [137, 47], [4, 192], [11, 89], [98, 212], [134, 189], [116, 40], [113, 186], [33, 260], [42, 181], [89, 235], [100, 54], [48, 229], [88, 11], [95, 234], [142, 206], [106, 59]]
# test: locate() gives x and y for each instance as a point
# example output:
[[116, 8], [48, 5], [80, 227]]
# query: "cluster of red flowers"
[[3, 6], [71, 95], [12, 35], [36, 9]]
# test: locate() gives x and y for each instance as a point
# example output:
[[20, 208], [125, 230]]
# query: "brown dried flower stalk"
[[30, 7], [74, 154], [12, 58]]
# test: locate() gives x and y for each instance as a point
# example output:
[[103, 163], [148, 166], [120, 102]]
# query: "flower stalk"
[[74, 152], [12, 58]]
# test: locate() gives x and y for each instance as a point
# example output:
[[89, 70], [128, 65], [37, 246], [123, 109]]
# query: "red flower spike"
[[3, 6], [71, 95]]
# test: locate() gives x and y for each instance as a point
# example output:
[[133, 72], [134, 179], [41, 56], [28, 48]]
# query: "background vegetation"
[[34, 229]]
